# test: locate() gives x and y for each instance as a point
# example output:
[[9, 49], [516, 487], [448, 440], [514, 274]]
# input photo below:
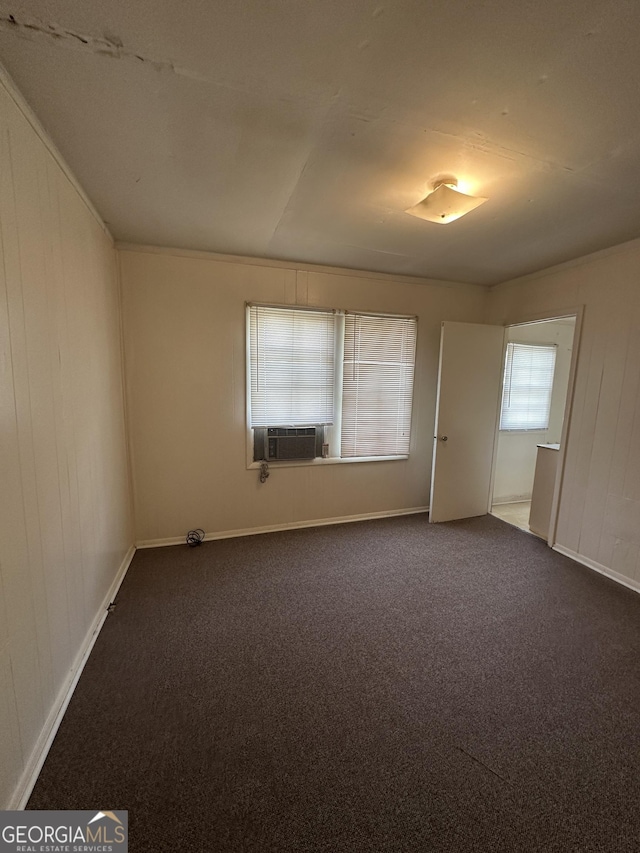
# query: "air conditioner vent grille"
[[288, 443]]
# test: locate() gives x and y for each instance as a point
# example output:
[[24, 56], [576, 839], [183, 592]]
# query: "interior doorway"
[[537, 368]]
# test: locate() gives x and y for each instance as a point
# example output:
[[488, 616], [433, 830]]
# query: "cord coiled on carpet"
[[195, 537]]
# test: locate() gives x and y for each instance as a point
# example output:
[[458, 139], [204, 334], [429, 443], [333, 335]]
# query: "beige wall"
[[64, 503], [517, 451], [599, 517], [184, 320]]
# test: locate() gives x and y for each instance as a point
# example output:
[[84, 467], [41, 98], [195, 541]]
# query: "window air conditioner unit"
[[292, 443]]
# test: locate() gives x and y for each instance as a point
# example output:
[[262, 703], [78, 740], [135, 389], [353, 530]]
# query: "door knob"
[[444, 438]]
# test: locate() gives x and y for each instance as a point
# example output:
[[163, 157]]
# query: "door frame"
[[576, 311]]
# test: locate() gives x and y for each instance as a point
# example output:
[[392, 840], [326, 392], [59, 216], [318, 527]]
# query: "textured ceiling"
[[302, 129]]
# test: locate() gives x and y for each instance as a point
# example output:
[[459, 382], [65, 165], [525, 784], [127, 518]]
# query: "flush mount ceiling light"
[[445, 203]]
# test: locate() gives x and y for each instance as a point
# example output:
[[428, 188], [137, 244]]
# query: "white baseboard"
[[511, 499], [598, 567], [294, 525], [49, 730]]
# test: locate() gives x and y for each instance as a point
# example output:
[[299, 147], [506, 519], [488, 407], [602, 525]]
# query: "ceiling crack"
[[109, 46], [486, 146]]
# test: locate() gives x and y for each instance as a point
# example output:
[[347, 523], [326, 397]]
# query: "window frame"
[[332, 431]]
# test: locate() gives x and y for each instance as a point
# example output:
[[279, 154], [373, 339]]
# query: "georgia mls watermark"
[[64, 832]]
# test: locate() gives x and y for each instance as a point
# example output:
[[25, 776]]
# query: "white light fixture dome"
[[446, 203]]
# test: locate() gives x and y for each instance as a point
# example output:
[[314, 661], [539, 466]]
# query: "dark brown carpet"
[[380, 686]]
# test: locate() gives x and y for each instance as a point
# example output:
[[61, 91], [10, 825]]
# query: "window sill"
[[331, 460], [536, 429]]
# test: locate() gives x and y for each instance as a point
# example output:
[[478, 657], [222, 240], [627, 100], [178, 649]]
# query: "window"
[[377, 385], [350, 372], [292, 366], [528, 382]]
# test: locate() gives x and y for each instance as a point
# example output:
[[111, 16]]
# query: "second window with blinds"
[[343, 376], [527, 387]]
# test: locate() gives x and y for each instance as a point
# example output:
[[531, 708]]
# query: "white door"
[[469, 383]]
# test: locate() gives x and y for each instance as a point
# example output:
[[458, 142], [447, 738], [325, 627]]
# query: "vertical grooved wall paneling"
[[65, 515], [599, 516]]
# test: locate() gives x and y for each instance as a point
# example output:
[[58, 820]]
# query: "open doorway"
[[534, 396]]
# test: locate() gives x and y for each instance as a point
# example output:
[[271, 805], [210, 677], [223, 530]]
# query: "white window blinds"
[[292, 353], [377, 390], [528, 382]]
